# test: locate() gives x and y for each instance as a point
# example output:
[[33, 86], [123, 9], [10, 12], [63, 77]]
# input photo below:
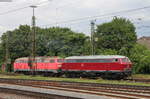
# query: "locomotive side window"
[[70, 61], [115, 60], [21, 61], [46, 61], [41, 60], [52, 61], [38, 60], [89, 60]]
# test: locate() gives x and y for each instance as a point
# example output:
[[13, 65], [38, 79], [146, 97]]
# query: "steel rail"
[[99, 89]]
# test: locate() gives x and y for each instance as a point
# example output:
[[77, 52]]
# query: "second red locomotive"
[[41, 65]]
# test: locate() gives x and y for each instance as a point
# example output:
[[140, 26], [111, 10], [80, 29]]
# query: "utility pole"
[[33, 39], [92, 37]]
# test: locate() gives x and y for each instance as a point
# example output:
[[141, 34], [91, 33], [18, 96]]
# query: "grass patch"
[[141, 76], [83, 80]]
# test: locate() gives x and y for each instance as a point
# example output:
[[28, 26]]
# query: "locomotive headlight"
[[59, 65], [127, 69]]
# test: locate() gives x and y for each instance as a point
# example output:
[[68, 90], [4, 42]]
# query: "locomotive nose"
[[59, 65]]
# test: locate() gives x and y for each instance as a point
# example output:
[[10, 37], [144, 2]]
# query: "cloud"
[[68, 10], [3, 29]]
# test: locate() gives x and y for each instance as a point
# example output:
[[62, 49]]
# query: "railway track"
[[127, 79], [111, 90]]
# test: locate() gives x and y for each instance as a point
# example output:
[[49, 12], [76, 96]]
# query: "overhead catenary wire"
[[21, 8], [68, 4], [62, 6], [77, 19], [99, 16]]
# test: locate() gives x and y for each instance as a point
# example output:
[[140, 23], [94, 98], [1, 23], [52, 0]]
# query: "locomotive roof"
[[44, 57], [96, 57]]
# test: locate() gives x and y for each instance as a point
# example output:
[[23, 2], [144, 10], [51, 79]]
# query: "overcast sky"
[[57, 13]]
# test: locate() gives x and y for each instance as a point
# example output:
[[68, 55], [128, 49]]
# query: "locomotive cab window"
[[116, 60], [124, 60]]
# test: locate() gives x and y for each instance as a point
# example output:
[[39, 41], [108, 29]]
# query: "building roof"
[[96, 57]]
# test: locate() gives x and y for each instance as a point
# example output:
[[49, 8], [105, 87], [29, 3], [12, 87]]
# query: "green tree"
[[58, 41], [53, 41], [140, 57], [17, 44], [117, 34]]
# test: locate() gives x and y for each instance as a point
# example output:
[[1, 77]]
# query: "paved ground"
[[49, 91], [13, 96]]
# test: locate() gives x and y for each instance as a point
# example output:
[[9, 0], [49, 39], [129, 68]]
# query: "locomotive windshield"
[[125, 60]]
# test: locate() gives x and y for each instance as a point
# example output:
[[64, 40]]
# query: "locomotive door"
[[82, 66], [108, 66]]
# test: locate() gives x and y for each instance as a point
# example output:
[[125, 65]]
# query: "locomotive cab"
[[127, 66]]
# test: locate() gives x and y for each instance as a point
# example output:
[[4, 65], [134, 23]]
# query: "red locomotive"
[[41, 65], [105, 66]]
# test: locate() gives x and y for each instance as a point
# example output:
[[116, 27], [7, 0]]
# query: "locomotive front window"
[[128, 60], [125, 60]]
